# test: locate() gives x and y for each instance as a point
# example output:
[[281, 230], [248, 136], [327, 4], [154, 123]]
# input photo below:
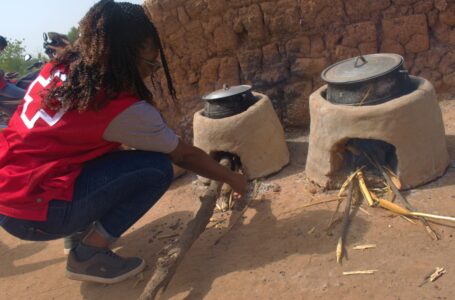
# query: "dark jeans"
[[115, 190]]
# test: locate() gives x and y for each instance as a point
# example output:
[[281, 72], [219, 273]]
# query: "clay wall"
[[280, 47]]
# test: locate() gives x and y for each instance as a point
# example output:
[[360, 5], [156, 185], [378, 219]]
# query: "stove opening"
[[352, 154]]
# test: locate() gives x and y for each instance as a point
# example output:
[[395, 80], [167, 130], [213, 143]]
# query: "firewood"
[[172, 255], [340, 251]]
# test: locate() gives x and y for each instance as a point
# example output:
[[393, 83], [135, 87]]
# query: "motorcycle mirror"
[[27, 57]]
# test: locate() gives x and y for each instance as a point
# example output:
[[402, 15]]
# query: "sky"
[[28, 19]]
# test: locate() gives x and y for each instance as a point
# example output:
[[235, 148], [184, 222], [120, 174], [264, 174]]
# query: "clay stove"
[[254, 135], [409, 128]]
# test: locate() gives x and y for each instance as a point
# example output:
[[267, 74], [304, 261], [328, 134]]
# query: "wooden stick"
[[344, 228], [236, 217], [405, 202], [320, 202], [172, 255]]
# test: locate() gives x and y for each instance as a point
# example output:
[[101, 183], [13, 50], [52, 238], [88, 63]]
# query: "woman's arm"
[[196, 160]]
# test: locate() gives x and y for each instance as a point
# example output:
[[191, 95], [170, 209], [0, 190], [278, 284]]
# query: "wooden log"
[[172, 255], [340, 251]]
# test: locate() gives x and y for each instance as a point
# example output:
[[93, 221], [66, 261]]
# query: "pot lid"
[[362, 68], [227, 91]]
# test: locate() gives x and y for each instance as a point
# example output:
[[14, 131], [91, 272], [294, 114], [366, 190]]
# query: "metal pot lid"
[[227, 91], [362, 68]]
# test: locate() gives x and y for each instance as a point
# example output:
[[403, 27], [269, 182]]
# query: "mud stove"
[[238, 121], [406, 127]]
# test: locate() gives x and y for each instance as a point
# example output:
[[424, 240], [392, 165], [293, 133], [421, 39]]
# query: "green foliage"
[[12, 58], [73, 34]]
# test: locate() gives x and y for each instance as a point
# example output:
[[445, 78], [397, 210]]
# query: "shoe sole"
[[90, 278]]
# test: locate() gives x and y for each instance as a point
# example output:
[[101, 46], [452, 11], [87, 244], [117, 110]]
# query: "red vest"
[[42, 151]]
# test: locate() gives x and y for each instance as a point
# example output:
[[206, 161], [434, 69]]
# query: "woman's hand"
[[239, 183], [194, 159]]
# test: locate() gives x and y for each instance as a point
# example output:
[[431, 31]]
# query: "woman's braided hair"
[[105, 57]]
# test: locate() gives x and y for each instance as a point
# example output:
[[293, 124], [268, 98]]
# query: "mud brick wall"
[[280, 47]]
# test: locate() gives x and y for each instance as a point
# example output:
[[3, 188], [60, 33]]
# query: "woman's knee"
[[26, 230]]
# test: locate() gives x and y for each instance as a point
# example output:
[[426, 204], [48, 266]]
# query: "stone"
[[317, 46], [449, 79], [271, 55], [253, 21], [358, 33], [423, 6], [285, 22], [203, 39], [274, 74], [209, 76], [182, 15], [225, 38], [309, 67], [256, 136], [409, 31], [171, 24], [368, 48], [448, 16], [321, 13], [228, 71], [431, 58], [391, 122], [442, 32], [298, 47], [342, 52], [440, 5], [361, 10], [195, 8], [447, 64], [217, 6], [250, 62], [297, 108]]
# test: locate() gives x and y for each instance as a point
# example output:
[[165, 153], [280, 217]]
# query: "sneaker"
[[70, 242], [103, 267]]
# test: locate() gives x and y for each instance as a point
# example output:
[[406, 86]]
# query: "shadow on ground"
[[263, 240], [10, 256]]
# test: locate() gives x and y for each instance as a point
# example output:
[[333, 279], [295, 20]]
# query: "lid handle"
[[364, 61], [226, 87]]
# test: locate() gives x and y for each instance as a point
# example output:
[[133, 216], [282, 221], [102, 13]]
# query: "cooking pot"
[[228, 101], [367, 80]]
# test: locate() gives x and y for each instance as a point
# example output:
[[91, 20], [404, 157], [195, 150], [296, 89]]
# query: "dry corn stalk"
[[364, 247], [403, 211], [345, 184], [395, 190], [438, 272], [393, 177], [366, 272], [364, 189]]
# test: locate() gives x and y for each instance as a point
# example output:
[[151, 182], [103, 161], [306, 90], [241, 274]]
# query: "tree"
[[73, 34], [12, 58]]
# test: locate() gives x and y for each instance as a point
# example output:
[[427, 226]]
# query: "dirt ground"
[[272, 253]]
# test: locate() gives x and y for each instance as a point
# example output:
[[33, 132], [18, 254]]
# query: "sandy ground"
[[272, 253]]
